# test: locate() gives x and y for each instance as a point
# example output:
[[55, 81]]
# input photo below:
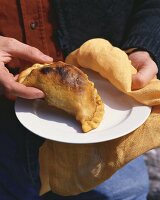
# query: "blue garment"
[[18, 179], [19, 170], [129, 183]]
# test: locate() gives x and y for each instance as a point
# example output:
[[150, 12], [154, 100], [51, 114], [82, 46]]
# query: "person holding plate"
[[38, 31]]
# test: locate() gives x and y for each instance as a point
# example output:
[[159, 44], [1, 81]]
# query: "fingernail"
[[47, 58], [40, 94]]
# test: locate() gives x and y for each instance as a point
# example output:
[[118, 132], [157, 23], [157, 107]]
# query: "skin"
[[146, 69], [11, 48]]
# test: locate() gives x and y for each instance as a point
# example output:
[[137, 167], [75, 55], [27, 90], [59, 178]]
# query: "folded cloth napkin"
[[70, 169]]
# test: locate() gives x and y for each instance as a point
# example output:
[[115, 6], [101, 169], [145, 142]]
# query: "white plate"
[[122, 115]]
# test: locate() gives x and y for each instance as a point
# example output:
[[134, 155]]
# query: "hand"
[[146, 69], [10, 48]]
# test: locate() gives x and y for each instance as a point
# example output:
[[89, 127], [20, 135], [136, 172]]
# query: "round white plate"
[[122, 115]]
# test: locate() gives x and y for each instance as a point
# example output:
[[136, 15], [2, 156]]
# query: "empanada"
[[68, 88]]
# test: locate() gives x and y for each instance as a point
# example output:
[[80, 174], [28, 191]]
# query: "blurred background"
[[152, 159]]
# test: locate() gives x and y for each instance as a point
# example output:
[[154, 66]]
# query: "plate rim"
[[83, 138]]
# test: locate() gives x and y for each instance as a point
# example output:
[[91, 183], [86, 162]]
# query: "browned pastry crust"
[[68, 88]]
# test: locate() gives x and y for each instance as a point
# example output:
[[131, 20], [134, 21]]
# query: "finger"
[[20, 90], [4, 54], [1, 65], [6, 60], [26, 52], [5, 57], [138, 58], [3, 71], [12, 88], [16, 77], [144, 75]]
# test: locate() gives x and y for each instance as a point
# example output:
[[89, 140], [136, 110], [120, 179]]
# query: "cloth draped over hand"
[[70, 169]]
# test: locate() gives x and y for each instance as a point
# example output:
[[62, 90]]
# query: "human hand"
[[10, 48], [146, 69]]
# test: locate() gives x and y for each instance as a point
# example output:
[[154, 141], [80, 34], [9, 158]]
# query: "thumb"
[[26, 52], [144, 75]]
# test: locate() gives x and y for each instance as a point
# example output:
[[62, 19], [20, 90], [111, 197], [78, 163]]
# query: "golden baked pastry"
[[68, 88]]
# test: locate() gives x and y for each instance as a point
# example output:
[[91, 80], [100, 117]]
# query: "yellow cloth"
[[70, 169]]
